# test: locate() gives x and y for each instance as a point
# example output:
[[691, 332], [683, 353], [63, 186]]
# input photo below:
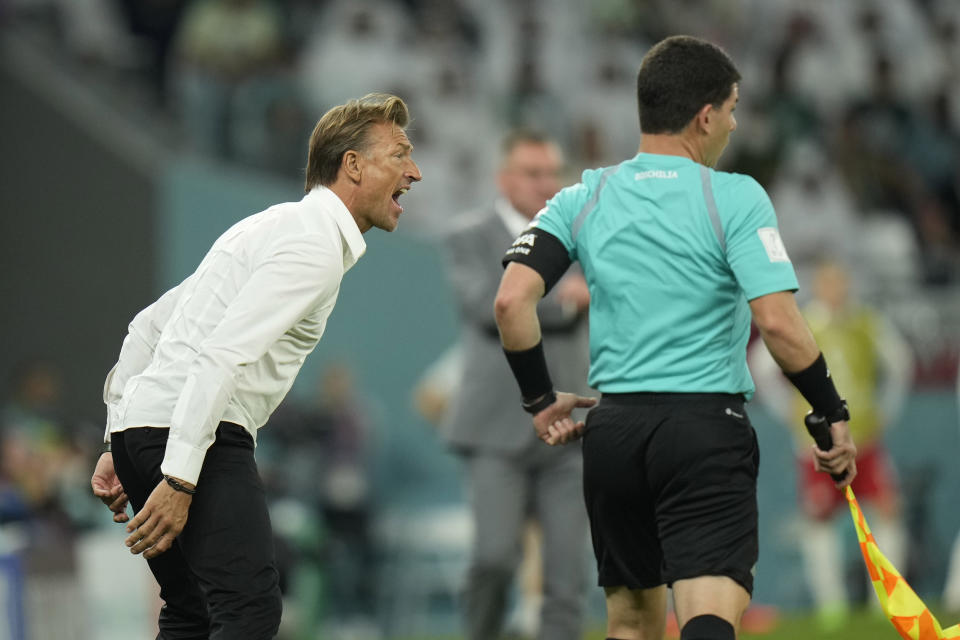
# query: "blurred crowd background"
[[134, 131]]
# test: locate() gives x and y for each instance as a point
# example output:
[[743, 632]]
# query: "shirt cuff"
[[182, 460]]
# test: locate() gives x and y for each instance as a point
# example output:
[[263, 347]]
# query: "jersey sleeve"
[[755, 251], [548, 245]]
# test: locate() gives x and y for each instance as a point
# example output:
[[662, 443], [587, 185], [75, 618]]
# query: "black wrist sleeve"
[[816, 385], [530, 369]]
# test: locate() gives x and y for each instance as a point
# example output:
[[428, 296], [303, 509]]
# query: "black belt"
[[660, 397]]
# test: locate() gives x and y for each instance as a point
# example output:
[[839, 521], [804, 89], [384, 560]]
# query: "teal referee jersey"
[[672, 252]]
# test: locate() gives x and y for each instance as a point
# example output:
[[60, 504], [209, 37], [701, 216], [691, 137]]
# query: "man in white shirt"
[[203, 368]]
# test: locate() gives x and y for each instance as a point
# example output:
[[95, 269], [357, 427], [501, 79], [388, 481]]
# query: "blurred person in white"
[[202, 369], [816, 210], [355, 45], [951, 589], [600, 132], [882, 154], [511, 477], [872, 361], [458, 138], [833, 64], [221, 47]]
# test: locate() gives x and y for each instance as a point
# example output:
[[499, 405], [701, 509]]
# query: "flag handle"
[[818, 428]]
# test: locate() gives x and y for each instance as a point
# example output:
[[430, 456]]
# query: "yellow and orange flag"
[[909, 615]]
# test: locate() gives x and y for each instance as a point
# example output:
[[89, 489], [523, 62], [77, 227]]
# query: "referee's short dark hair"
[[677, 77], [345, 128]]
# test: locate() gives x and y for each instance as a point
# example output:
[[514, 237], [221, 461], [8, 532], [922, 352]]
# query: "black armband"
[[107, 448], [530, 369], [542, 252], [815, 384]]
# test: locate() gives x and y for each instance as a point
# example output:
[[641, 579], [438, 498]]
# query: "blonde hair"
[[345, 128]]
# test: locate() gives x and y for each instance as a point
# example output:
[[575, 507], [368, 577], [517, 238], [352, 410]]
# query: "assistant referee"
[[677, 257]]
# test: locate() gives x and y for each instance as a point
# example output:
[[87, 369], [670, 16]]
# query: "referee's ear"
[[703, 120]]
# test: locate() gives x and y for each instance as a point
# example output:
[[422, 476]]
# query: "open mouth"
[[397, 194]]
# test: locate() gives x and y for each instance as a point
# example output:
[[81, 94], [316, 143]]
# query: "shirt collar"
[[513, 220], [355, 246]]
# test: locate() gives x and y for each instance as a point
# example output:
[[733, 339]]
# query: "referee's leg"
[[228, 542]]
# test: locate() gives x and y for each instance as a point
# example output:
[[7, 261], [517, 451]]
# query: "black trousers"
[[219, 580]]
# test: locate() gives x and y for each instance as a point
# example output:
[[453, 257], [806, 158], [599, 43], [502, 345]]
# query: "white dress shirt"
[[226, 343], [513, 220]]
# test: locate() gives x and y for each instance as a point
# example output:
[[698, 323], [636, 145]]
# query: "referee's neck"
[[669, 144]]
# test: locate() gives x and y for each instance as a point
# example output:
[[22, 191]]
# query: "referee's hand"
[[841, 459], [554, 424]]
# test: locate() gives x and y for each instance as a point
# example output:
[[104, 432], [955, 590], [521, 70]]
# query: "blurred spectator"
[[38, 468], [35, 444], [355, 48], [951, 589], [782, 116], [223, 47], [269, 122], [815, 211], [321, 454], [459, 166], [602, 113], [155, 23], [873, 365], [883, 154]]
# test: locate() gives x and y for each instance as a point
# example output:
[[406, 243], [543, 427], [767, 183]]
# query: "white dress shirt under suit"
[[227, 342]]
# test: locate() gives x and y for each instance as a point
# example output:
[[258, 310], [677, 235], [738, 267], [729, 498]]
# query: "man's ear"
[[352, 165], [705, 118]]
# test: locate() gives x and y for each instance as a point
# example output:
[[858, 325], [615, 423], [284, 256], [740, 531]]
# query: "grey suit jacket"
[[485, 412]]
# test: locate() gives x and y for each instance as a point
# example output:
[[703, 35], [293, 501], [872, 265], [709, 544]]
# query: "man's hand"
[[573, 293], [156, 526], [842, 458], [107, 487], [554, 424]]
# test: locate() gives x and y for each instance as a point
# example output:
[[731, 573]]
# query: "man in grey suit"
[[512, 476]]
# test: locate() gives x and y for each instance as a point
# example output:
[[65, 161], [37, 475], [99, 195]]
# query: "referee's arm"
[[784, 331], [515, 309], [794, 348]]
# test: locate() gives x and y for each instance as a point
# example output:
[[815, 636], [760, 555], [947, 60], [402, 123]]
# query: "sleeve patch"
[[523, 244], [773, 244]]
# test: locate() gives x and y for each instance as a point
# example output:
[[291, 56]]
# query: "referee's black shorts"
[[670, 481]]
